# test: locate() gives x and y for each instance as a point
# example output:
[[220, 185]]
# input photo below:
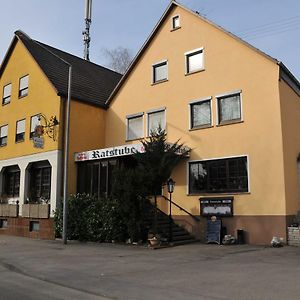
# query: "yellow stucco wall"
[[41, 98], [86, 132], [229, 66], [290, 113]]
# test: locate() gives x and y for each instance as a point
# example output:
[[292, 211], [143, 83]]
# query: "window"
[[135, 127], [3, 135], [156, 119], [34, 226], [194, 61], [20, 131], [228, 175], [12, 181], [229, 108], [34, 121], [6, 94], [40, 181], [160, 72], [3, 223], [200, 113], [175, 22], [23, 88]]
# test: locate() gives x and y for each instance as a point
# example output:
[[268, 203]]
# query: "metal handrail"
[[197, 219]]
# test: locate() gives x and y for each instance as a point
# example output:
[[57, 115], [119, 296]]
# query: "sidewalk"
[[194, 271]]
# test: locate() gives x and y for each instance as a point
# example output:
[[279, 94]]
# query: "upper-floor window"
[[156, 120], [160, 71], [20, 131], [6, 94], [194, 61], [226, 175], [229, 108], [23, 86], [34, 121], [135, 128], [175, 22], [200, 113], [3, 135]]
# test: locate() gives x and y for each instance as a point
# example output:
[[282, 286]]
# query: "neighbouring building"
[[237, 108], [34, 83]]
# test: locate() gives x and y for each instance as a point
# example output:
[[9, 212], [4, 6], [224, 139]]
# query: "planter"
[[9, 210], [39, 211], [154, 242]]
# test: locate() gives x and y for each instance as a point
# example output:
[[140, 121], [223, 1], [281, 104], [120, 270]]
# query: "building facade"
[[234, 106], [34, 83]]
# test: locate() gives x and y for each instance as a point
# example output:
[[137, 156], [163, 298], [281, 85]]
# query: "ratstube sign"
[[109, 152]]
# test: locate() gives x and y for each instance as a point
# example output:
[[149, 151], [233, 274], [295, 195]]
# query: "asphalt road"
[[35, 269]]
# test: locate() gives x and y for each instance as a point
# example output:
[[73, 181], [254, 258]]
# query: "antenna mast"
[[86, 32]]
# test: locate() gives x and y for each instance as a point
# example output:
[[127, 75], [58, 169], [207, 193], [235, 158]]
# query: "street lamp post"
[[170, 186]]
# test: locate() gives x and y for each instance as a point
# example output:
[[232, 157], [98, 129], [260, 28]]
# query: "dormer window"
[[23, 86], [175, 22]]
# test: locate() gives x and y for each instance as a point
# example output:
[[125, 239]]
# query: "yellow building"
[[34, 83], [237, 108]]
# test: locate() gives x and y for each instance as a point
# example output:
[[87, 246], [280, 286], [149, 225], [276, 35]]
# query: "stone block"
[[33, 210], [13, 210]]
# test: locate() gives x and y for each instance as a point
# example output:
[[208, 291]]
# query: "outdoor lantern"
[[170, 185]]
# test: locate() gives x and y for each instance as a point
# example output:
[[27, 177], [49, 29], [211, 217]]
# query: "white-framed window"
[[23, 86], [135, 126], [34, 121], [20, 131], [6, 94], [176, 22], [160, 71], [194, 61], [229, 108], [200, 113], [156, 119], [3, 135]]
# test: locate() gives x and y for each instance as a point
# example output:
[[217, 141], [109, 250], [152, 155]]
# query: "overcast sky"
[[271, 25]]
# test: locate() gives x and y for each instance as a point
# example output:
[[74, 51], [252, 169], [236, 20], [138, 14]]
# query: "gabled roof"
[[283, 69], [91, 83]]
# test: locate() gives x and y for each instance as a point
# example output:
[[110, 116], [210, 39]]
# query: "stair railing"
[[197, 219]]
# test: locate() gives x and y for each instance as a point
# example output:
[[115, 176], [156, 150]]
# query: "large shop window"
[[229, 108], [95, 178], [11, 178], [135, 128], [40, 181], [228, 175], [156, 119]]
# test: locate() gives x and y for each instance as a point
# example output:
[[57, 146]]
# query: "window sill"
[[174, 29], [3, 145], [20, 97], [201, 127], [18, 142], [160, 81], [196, 71], [5, 103], [218, 194], [230, 123]]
